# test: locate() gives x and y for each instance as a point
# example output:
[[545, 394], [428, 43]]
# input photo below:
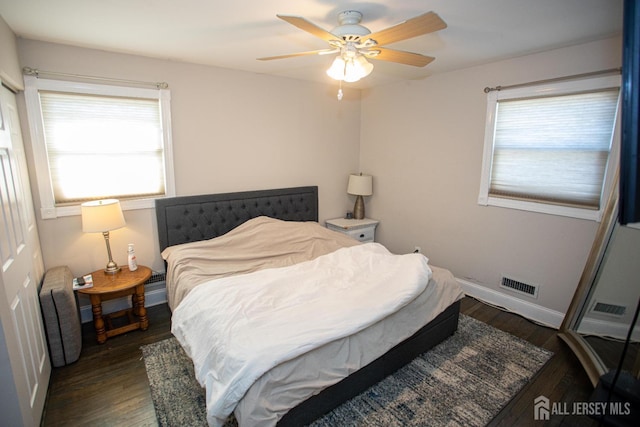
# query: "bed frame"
[[193, 218]]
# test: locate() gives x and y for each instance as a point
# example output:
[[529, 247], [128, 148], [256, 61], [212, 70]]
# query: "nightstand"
[[110, 286], [363, 230]]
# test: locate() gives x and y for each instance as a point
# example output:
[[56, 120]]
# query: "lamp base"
[[111, 268], [358, 208]]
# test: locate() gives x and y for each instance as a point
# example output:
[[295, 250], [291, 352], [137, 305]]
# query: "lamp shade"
[[336, 71], [101, 215], [357, 68], [360, 185]]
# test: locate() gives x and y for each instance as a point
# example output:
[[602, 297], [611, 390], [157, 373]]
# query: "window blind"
[[102, 146], [553, 149]]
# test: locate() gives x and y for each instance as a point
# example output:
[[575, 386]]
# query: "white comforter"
[[258, 320]]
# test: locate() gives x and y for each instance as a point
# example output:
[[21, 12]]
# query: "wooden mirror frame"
[[591, 361]]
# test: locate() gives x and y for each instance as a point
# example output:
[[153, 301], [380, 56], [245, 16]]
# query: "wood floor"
[[108, 385]]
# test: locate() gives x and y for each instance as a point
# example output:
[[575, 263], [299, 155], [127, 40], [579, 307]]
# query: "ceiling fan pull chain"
[[340, 94]]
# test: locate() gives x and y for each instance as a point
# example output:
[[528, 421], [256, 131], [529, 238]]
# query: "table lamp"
[[102, 216], [360, 185]]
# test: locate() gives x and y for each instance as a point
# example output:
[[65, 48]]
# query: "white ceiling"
[[232, 34]]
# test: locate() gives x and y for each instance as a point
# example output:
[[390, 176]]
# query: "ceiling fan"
[[355, 43]]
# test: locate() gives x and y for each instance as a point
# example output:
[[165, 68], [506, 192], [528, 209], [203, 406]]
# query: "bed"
[[284, 394]]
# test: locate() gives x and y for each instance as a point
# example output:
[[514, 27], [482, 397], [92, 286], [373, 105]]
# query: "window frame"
[[33, 85], [539, 90]]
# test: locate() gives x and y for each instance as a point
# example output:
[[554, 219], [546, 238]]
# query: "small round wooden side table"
[[110, 286]]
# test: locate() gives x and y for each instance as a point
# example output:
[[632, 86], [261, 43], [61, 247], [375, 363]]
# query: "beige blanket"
[[259, 243]]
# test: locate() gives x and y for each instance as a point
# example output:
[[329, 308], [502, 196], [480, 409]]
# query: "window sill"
[[127, 205], [588, 214]]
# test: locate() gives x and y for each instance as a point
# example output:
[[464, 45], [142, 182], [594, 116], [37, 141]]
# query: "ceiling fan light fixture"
[[349, 69], [336, 71], [351, 73], [365, 66], [357, 68]]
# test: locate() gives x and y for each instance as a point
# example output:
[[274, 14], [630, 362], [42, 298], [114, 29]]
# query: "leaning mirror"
[[601, 313]]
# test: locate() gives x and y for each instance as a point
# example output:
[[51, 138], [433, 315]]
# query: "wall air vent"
[[612, 309], [520, 287], [156, 277]]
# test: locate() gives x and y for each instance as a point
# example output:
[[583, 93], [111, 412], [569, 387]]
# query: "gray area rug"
[[464, 381]]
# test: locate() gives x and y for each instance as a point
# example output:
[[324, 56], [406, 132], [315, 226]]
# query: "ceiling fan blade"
[[291, 55], [309, 27], [402, 57], [417, 26]]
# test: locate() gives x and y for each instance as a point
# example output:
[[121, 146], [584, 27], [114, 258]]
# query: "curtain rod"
[[35, 72], [557, 79]]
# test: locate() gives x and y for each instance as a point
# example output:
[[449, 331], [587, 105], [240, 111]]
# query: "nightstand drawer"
[[363, 230], [363, 234]]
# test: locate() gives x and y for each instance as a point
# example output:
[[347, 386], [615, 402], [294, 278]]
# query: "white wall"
[[423, 140], [9, 68], [232, 131]]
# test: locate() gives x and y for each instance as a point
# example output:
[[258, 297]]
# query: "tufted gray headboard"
[[193, 218]]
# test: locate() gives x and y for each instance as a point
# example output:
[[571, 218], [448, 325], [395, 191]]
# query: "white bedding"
[[294, 381], [264, 318], [262, 243]]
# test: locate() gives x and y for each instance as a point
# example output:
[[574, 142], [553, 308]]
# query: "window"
[[552, 148], [99, 141]]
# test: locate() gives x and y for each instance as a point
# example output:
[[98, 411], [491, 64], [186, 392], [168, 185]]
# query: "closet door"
[[22, 339]]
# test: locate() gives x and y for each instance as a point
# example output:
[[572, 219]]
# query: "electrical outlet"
[[417, 250]]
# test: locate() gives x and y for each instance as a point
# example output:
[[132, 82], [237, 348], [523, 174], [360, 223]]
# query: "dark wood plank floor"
[[108, 385]]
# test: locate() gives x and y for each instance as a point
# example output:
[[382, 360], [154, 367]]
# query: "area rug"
[[463, 381]]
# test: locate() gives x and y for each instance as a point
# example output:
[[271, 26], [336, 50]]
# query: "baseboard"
[[534, 312], [605, 328], [157, 294]]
